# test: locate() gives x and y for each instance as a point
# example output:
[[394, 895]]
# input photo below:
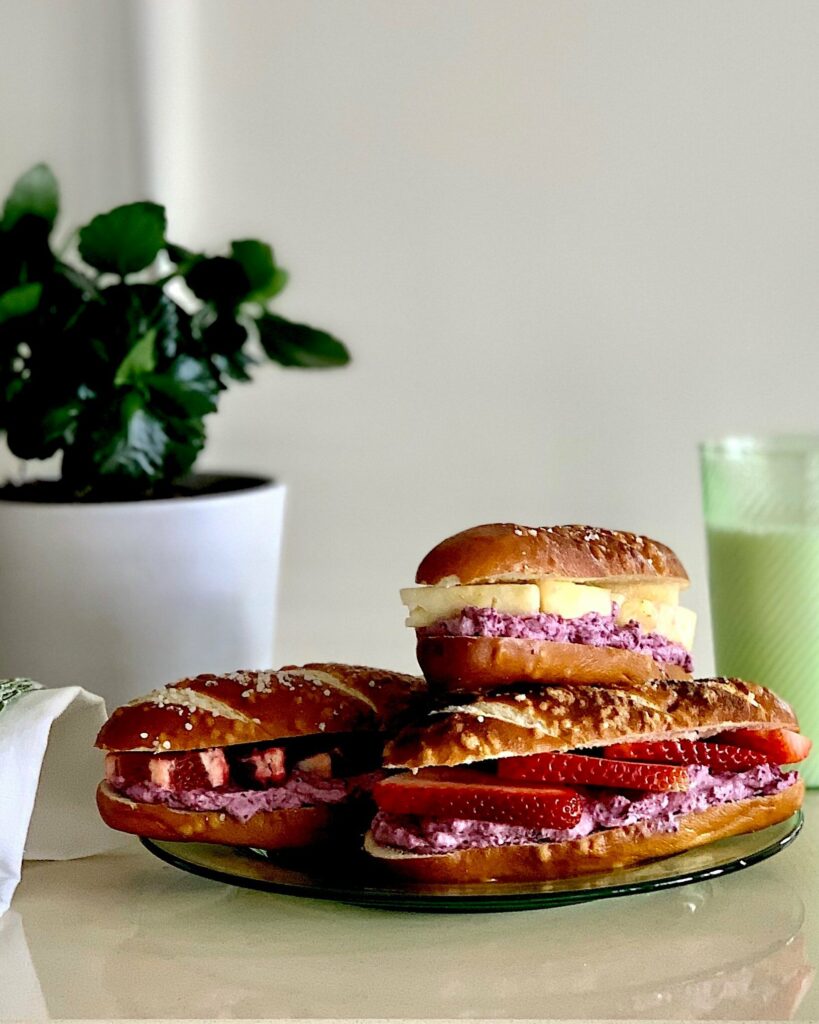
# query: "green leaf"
[[124, 240], [59, 425], [220, 280], [40, 420], [233, 367], [187, 439], [179, 255], [35, 194], [137, 448], [20, 300], [224, 336], [292, 344], [189, 386], [140, 360], [167, 318], [256, 258]]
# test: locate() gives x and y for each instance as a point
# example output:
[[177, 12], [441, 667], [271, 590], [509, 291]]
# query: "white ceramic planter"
[[123, 597]]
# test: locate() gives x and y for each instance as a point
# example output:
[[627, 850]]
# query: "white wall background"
[[565, 239]]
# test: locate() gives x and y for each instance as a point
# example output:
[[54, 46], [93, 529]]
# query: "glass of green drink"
[[761, 499]]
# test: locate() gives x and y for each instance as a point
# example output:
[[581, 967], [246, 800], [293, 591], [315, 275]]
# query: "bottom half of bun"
[[607, 850], [460, 664], [271, 830]]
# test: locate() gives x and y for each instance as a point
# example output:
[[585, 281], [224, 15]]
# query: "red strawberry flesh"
[[265, 767], [717, 756], [582, 769], [191, 769], [475, 796], [779, 746]]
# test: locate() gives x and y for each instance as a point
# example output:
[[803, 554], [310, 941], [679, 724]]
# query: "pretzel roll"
[[258, 758], [498, 552], [271, 830], [477, 663], [257, 706], [502, 604], [609, 850], [557, 718], [554, 782]]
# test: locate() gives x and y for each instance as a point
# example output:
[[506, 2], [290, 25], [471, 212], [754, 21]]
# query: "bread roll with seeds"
[[558, 718], [257, 758], [497, 552], [456, 825], [257, 706], [610, 850], [500, 604]]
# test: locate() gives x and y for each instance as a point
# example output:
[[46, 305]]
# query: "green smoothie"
[[764, 588]]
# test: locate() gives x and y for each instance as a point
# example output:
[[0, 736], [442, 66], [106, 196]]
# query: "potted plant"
[[129, 569]]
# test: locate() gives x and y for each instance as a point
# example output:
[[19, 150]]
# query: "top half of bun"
[[557, 718], [257, 706], [506, 552]]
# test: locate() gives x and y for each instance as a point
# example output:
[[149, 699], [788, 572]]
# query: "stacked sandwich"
[[568, 735]]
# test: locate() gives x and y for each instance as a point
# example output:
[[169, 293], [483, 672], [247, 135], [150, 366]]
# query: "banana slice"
[[659, 593], [431, 604], [671, 621], [571, 600]]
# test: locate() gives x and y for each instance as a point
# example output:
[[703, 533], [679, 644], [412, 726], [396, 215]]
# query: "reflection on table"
[[126, 936]]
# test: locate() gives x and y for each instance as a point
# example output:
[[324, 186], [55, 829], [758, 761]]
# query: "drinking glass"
[[761, 501]]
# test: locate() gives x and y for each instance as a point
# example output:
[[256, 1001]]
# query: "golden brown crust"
[[554, 718], [465, 664], [255, 707], [608, 850], [506, 551], [269, 830]]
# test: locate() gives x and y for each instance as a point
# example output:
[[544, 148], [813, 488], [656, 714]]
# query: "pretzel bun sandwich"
[[558, 781], [502, 603], [266, 759]]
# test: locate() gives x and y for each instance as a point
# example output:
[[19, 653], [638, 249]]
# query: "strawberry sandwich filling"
[[554, 797], [591, 629], [242, 781]]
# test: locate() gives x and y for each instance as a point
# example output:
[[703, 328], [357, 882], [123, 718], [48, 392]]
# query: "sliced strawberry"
[[128, 769], [476, 796], [593, 771], [265, 767], [190, 769], [198, 769], [779, 746], [719, 756]]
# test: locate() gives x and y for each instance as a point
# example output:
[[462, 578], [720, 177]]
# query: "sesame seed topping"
[[322, 726], [143, 735], [166, 744], [188, 726], [327, 693]]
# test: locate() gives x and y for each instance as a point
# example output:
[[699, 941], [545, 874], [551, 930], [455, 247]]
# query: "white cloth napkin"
[[49, 770]]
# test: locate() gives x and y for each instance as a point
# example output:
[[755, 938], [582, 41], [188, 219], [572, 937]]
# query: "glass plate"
[[358, 880]]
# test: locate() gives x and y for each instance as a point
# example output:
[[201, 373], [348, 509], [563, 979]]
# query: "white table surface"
[[126, 936]]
